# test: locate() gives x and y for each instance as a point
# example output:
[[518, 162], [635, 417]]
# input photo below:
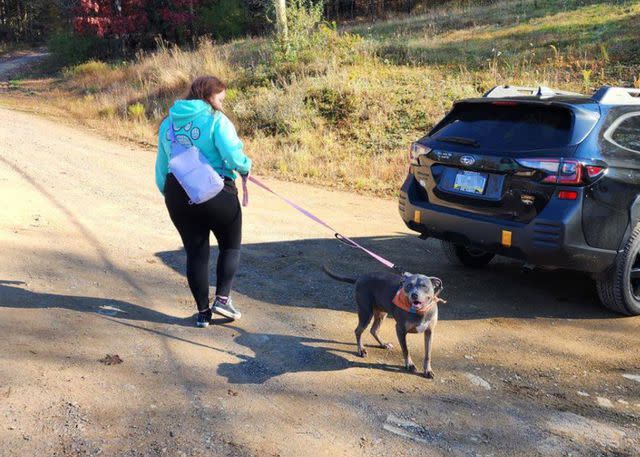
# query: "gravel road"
[[90, 266]]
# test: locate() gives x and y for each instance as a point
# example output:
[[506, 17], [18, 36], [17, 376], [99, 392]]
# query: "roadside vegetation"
[[339, 107]]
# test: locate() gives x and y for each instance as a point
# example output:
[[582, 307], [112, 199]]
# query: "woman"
[[199, 121]]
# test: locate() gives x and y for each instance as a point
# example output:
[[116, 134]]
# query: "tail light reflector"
[[568, 195]]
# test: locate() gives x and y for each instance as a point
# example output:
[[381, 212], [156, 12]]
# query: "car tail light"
[[568, 195], [563, 171], [570, 173], [416, 151], [593, 171]]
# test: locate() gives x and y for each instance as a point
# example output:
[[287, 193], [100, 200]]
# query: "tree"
[[134, 23], [28, 20], [281, 18], [110, 18]]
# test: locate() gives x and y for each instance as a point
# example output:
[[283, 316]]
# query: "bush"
[[136, 112], [312, 46], [108, 112], [89, 69], [273, 111], [337, 106], [224, 20], [69, 49]]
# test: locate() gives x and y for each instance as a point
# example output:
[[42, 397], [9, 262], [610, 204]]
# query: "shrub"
[[223, 20], [108, 112], [69, 49], [273, 111], [312, 46], [334, 105], [136, 111], [89, 69]]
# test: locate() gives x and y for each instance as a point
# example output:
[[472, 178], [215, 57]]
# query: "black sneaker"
[[226, 309], [203, 319]]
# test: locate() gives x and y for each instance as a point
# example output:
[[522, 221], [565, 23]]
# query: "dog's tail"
[[338, 277]]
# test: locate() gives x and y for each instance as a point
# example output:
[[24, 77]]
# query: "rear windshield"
[[521, 126]]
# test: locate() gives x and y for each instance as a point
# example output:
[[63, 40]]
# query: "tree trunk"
[[281, 18], [192, 16]]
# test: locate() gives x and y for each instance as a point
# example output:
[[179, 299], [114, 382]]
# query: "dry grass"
[[345, 116]]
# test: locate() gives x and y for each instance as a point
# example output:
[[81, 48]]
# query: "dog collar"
[[402, 302]]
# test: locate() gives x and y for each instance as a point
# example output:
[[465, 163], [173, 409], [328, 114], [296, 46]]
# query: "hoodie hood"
[[184, 111]]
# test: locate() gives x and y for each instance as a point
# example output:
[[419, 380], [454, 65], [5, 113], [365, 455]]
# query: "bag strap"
[[172, 135]]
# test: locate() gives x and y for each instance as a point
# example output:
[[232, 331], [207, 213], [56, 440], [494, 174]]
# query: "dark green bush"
[[69, 49], [336, 106], [224, 20]]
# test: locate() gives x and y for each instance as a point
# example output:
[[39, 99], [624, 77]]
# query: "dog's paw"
[[387, 346], [362, 352], [429, 374], [411, 368]]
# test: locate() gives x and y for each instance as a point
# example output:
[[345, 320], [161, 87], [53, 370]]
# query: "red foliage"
[[111, 18], [174, 18]]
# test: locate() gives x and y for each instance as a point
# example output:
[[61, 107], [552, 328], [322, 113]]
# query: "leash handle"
[[343, 239], [245, 190]]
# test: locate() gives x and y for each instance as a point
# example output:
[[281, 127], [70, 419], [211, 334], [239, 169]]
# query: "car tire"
[[619, 288], [457, 253]]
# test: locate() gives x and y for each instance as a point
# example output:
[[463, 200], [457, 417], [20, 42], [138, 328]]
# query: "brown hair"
[[204, 87]]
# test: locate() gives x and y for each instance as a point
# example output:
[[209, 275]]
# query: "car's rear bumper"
[[553, 238]]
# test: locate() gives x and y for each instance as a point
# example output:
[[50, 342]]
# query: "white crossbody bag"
[[193, 171]]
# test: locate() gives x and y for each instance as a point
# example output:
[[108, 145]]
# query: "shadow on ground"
[[289, 273], [14, 295], [276, 354]]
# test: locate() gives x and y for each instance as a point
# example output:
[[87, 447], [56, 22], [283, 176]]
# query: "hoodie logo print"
[[185, 135]]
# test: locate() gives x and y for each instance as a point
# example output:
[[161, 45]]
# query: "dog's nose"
[[414, 296]]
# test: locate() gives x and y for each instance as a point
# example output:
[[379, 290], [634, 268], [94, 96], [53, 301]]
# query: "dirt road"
[[90, 265], [11, 65]]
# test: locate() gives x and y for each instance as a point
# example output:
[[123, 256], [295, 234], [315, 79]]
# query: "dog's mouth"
[[419, 305]]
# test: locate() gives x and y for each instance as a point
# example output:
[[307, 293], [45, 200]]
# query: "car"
[[548, 177]]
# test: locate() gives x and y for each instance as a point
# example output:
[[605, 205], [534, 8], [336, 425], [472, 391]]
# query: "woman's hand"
[[245, 189]]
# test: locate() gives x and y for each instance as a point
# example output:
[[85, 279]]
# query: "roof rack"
[[520, 91], [608, 95]]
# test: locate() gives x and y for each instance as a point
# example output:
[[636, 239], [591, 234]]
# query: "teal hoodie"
[[196, 123]]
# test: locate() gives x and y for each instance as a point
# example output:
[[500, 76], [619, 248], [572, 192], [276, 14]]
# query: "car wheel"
[[469, 257], [619, 289]]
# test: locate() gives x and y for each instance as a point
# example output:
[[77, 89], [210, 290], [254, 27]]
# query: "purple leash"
[[338, 235]]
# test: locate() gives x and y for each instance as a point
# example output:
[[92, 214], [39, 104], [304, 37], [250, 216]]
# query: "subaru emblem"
[[467, 160]]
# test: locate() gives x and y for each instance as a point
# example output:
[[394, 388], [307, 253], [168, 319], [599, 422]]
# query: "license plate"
[[470, 182]]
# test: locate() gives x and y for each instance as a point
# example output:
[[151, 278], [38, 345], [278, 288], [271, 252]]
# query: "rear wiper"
[[459, 140]]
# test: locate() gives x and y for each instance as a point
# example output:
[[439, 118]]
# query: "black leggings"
[[222, 216]]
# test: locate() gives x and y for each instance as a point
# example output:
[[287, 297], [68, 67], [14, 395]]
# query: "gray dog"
[[411, 299]]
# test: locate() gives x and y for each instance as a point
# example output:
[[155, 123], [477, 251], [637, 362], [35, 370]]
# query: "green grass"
[[340, 109], [574, 28], [15, 83]]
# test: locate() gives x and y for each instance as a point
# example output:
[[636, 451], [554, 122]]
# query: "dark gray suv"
[[549, 177]]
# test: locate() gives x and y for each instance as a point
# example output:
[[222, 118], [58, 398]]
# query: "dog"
[[412, 299]]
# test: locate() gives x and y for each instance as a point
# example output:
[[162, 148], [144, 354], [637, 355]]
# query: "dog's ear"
[[406, 275], [437, 283]]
